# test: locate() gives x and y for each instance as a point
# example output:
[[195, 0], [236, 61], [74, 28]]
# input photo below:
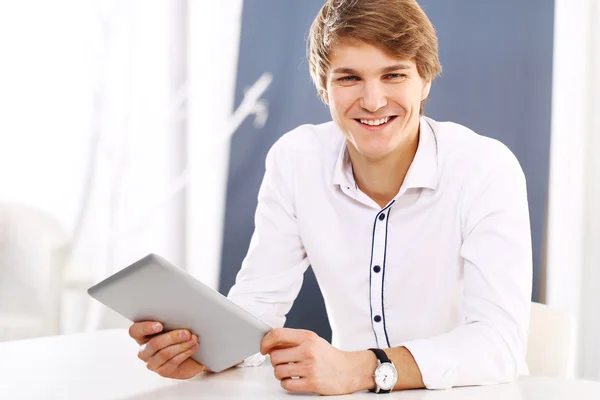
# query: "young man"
[[417, 231]]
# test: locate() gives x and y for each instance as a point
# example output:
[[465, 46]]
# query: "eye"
[[395, 76], [348, 79]]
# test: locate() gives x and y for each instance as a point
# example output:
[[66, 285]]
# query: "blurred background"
[[129, 127]]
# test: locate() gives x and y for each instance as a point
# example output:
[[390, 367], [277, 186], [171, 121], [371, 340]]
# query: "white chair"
[[551, 343], [33, 245]]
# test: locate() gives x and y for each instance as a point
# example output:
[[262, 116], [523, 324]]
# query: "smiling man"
[[417, 230]]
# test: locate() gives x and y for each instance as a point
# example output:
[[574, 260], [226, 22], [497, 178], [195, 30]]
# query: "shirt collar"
[[422, 173], [342, 171]]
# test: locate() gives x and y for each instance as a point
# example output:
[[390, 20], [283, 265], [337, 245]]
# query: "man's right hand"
[[167, 354]]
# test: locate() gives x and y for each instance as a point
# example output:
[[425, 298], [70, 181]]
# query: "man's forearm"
[[365, 363]]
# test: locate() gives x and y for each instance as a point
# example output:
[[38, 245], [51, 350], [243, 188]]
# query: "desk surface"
[[104, 365]]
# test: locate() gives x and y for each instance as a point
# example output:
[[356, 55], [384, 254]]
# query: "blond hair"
[[400, 28]]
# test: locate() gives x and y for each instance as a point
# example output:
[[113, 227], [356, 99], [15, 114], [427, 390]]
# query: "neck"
[[381, 179]]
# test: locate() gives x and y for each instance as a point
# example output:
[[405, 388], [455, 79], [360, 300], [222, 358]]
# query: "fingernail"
[[191, 342], [184, 335], [157, 327]]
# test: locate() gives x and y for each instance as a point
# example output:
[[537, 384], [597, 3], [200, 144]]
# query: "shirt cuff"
[[438, 370], [253, 361]]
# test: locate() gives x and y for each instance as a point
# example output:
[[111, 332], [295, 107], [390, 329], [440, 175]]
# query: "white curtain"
[[93, 106], [590, 310], [136, 202], [214, 37], [573, 257], [214, 40]]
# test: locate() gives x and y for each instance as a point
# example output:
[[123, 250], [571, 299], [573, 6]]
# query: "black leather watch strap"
[[382, 357]]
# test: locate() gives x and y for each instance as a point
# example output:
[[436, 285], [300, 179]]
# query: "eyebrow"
[[386, 70]]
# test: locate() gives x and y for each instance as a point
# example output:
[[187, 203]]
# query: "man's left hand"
[[315, 365]]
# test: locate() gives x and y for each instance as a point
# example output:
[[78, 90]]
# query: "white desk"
[[104, 365]]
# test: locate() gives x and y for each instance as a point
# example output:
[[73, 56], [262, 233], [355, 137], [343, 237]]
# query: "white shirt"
[[445, 269]]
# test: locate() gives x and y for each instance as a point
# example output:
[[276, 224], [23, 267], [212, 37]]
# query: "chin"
[[373, 153]]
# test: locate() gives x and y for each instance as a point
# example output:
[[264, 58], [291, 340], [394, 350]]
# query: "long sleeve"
[[490, 346], [272, 272]]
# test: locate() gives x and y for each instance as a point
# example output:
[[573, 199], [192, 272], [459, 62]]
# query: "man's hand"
[[167, 354], [317, 366]]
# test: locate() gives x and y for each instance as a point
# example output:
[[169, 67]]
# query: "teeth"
[[375, 122]]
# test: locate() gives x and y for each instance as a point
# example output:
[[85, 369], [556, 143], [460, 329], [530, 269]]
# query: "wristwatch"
[[386, 374]]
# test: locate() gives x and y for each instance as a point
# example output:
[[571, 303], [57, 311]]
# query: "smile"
[[376, 124]]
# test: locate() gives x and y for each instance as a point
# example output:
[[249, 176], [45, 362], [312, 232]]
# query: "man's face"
[[366, 87]]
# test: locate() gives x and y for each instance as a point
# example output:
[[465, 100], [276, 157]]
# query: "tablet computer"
[[152, 289]]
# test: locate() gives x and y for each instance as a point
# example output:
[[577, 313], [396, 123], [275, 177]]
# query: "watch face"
[[386, 376]]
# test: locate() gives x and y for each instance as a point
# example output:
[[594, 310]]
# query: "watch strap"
[[381, 356]]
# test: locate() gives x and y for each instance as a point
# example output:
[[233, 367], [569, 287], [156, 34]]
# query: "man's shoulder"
[[310, 138], [460, 144]]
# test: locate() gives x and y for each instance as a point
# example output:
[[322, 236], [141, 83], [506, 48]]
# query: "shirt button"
[[376, 268], [381, 217], [377, 318]]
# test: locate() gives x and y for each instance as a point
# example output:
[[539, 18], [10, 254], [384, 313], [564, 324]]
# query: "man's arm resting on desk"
[[324, 369], [473, 354]]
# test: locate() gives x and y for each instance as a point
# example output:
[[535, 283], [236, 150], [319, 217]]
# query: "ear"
[[425, 90]]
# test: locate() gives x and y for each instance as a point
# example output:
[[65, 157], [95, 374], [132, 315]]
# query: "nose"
[[373, 97]]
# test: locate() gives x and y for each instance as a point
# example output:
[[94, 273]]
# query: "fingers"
[[163, 341], [286, 371], [284, 337], [297, 385], [141, 331], [297, 377], [287, 355], [163, 356], [181, 366]]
